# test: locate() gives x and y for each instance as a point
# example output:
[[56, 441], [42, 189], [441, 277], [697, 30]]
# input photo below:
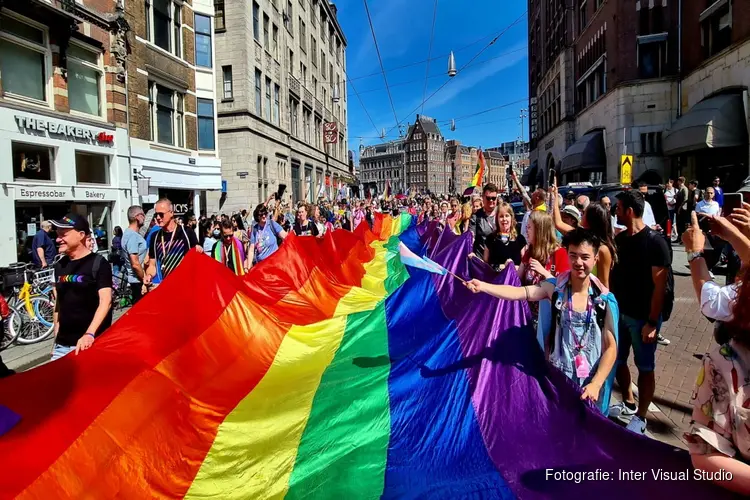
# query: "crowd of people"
[[602, 267]]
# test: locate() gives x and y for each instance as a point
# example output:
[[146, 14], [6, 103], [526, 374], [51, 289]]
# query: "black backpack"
[[601, 313], [668, 306]]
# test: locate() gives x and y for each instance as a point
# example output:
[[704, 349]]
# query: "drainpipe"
[[679, 58]]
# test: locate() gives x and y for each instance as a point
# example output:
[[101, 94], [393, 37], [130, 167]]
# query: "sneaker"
[[620, 410], [662, 340], [637, 425]]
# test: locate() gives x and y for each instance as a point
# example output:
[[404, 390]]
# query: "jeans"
[[61, 350], [630, 336]]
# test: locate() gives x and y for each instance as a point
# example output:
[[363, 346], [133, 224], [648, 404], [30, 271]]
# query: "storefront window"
[[33, 163], [92, 168], [84, 80]]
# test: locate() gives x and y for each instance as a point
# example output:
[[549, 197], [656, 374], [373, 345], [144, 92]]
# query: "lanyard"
[[579, 344], [168, 248]]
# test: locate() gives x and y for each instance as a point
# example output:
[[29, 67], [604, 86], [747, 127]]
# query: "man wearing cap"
[[83, 287]]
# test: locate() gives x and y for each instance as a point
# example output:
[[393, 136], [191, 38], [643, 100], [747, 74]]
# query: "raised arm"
[[507, 292], [559, 224]]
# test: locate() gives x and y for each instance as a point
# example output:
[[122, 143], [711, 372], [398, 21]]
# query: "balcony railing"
[[294, 85]]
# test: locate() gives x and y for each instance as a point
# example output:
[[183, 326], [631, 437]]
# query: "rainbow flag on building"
[[479, 173], [331, 370]]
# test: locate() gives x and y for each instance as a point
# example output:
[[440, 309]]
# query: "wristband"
[[92, 335]]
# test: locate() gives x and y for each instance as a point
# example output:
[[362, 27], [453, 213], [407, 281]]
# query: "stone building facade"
[[496, 166], [427, 169], [462, 161], [171, 102], [380, 164], [63, 137], [281, 73]]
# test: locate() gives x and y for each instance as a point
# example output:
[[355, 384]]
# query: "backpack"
[[668, 306], [96, 266]]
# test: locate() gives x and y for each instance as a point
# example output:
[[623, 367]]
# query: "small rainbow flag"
[[479, 173], [329, 371], [387, 190]]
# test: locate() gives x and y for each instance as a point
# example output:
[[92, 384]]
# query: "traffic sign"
[[626, 169]]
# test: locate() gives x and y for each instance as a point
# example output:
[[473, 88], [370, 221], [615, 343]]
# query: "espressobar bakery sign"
[[74, 132]]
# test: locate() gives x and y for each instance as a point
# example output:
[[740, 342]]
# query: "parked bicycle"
[[31, 305]]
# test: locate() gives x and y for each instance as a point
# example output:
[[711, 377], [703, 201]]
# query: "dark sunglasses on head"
[[490, 198]]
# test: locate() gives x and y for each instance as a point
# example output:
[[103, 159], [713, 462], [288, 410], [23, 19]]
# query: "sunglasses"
[[490, 198], [226, 236], [159, 215]]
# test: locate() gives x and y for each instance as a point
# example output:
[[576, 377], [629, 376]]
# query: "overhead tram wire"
[[429, 54], [494, 40], [380, 60], [438, 75], [363, 106]]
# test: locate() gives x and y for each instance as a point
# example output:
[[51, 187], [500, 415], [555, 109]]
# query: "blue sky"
[[495, 79]]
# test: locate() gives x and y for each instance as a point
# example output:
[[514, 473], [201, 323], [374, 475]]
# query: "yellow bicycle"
[[32, 308]]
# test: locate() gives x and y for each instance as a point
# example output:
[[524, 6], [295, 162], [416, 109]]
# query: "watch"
[[694, 255]]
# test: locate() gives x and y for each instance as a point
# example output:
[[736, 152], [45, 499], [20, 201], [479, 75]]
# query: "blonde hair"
[[508, 208], [545, 241]]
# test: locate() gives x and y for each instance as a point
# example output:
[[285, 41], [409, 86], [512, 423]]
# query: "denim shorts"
[[61, 350], [630, 335]]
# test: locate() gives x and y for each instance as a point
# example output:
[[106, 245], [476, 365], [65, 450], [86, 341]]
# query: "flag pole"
[[459, 278]]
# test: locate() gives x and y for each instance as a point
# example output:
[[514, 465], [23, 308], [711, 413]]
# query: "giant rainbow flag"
[[330, 371]]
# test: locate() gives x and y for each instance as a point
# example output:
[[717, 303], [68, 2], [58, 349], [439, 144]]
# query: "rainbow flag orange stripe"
[[479, 173]]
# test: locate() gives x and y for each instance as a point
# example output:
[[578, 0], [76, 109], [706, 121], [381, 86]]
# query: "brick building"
[[382, 163], [462, 161], [711, 136], [496, 166], [283, 66], [427, 169], [171, 102], [63, 141]]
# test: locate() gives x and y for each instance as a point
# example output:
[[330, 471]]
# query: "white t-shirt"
[[648, 218], [717, 301], [708, 207]]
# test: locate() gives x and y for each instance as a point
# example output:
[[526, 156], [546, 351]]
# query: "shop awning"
[[587, 153], [529, 175], [716, 122]]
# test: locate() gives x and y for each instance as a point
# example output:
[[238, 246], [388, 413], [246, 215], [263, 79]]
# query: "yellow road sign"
[[626, 169]]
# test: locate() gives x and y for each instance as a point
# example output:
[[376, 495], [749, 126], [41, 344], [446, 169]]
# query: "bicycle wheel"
[[39, 327], [11, 329]]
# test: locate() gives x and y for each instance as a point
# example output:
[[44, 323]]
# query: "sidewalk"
[[677, 364], [25, 357]]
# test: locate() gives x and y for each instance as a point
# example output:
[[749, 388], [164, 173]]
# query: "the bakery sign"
[[63, 130]]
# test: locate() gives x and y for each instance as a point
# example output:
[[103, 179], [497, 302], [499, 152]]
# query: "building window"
[[276, 104], [275, 41], [164, 25], [306, 124], [582, 16], [33, 163], [716, 27], [651, 143], [167, 115], [318, 132], [226, 72], [206, 124], [203, 41], [291, 62], [23, 59], [293, 116], [258, 90], [268, 100], [92, 168], [302, 36], [338, 51], [288, 17], [303, 73], [266, 41], [219, 15], [323, 63], [256, 21], [652, 58], [597, 4], [315, 87], [85, 75], [313, 50]]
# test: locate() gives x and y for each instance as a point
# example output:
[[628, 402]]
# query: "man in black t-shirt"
[[304, 226], [83, 286], [169, 245], [483, 224], [639, 281]]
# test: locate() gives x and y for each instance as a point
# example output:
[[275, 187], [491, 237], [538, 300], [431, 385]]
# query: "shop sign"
[[63, 194], [55, 129]]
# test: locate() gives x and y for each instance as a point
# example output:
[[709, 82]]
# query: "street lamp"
[[336, 93], [452, 65]]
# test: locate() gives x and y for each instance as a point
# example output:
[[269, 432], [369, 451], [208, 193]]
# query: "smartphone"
[[731, 201], [280, 192]]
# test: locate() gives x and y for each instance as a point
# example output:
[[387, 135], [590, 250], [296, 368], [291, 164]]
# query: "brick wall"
[[692, 51]]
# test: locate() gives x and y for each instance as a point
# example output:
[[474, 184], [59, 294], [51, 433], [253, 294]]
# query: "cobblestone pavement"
[[677, 364]]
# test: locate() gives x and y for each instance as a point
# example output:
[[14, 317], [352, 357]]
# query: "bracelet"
[[92, 335], [526, 289]]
